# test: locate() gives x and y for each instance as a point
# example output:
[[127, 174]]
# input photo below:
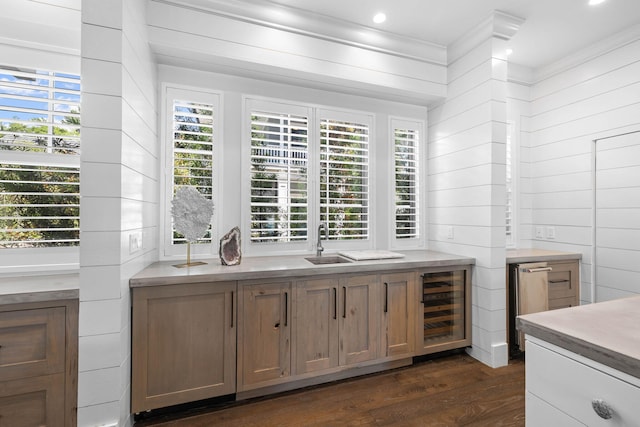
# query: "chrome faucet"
[[319, 247]]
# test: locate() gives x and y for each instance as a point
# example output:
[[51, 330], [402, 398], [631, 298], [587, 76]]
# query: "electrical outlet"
[[551, 232], [539, 233], [135, 242], [450, 232]]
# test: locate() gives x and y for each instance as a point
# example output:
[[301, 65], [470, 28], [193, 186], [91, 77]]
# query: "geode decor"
[[230, 253]]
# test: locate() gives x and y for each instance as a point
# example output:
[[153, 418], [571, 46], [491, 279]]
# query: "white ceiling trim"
[[580, 57], [322, 27], [497, 24]]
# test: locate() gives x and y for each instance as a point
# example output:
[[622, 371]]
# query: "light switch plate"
[[551, 232], [450, 232], [135, 242], [539, 233]]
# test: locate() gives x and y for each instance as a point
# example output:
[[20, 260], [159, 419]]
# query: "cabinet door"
[[359, 319], [398, 313], [33, 342], [184, 344], [564, 283], [316, 325], [266, 332], [35, 401]]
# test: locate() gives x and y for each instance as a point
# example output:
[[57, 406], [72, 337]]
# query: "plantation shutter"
[[344, 179], [193, 143], [39, 174], [279, 177], [510, 190], [406, 143]]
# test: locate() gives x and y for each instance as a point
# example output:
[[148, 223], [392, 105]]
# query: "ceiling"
[[552, 28]]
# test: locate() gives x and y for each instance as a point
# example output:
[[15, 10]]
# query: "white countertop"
[[24, 289], [607, 332], [164, 273], [515, 256]]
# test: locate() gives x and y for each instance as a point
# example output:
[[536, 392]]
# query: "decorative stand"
[[189, 263]]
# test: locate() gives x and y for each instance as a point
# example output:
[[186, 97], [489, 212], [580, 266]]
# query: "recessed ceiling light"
[[379, 18], [595, 2]]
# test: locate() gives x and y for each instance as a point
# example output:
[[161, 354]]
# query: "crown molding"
[[498, 24], [616, 41], [298, 21]]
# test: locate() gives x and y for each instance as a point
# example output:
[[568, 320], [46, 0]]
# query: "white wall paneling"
[[467, 182], [617, 213], [594, 98], [119, 197], [214, 40]]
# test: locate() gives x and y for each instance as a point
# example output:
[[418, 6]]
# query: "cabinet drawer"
[[571, 386], [32, 342], [32, 402], [557, 303]]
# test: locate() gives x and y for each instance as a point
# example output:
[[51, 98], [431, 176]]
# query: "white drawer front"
[[540, 414], [571, 386]]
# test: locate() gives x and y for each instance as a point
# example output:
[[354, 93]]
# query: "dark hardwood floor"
[[455, 390]]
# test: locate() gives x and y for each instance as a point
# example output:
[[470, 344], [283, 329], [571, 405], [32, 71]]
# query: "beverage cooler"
[[444, 302]]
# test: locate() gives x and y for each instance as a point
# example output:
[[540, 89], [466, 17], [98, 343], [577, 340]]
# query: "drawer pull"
[[603, 410]]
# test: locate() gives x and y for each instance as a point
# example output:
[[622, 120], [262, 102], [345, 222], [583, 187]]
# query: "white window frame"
[[352, 117], [419, 127], [315, 113], [171, 92], [512, 143], [49, 259]]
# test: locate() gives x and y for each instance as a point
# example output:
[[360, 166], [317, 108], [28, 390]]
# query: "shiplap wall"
[[617, 239], [597, 97], [119, 167], [466, 189]]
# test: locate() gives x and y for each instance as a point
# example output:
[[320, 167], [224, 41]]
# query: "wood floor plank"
[[456, 390]]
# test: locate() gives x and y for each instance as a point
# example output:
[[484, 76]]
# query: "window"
[[307, 166], [510, 203], [40, 167], [406, 141], [344, 179], [191, 157]]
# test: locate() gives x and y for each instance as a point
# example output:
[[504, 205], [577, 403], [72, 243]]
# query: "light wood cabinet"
[[359, 319], [38, 363], [264, 333], [316, 309], [398, 308], [184, 344], [563, 284]]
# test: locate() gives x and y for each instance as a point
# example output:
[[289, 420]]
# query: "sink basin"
[[329, 259]]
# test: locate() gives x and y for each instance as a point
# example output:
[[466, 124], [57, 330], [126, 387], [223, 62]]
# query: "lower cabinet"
[[566, 389], [290, 332], [336, 322], [184, 344], [398, 314], [264, 354], [38, 364]]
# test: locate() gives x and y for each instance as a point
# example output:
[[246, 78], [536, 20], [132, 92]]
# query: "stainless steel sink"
[[329, 259]]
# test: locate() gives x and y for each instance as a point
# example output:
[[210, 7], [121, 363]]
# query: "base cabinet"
[[184, 344], [398, 314], [290, 332], [569, 386], [265, 333], [38, 364]]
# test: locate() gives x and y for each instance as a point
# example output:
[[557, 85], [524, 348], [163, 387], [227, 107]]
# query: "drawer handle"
[[603, 410]]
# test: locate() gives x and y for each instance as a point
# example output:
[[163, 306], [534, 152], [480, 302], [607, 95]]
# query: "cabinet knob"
[[603, 410]]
